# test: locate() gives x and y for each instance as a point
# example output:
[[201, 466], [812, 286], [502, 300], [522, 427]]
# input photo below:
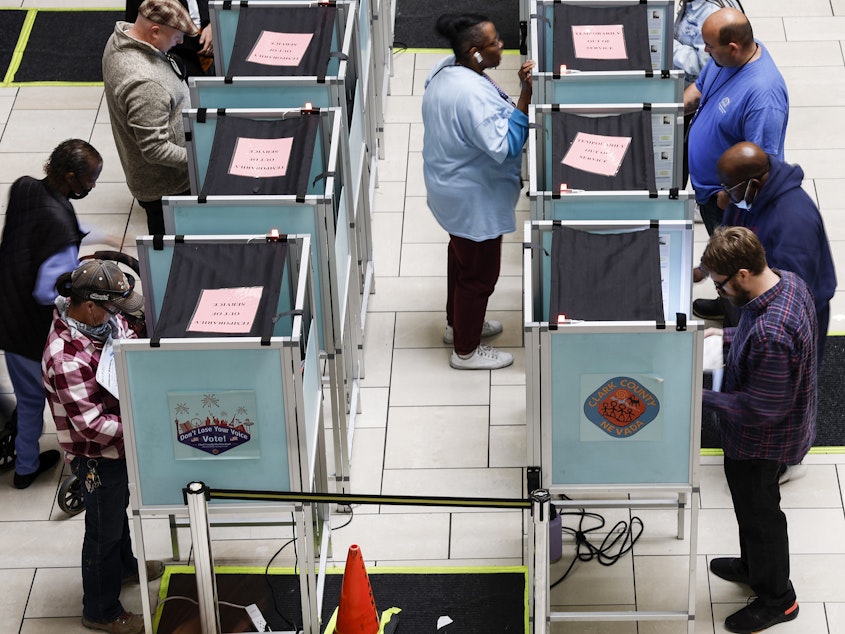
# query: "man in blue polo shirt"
[[739, 96]]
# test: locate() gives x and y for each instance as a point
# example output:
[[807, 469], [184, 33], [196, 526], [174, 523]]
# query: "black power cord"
[[616, 544], [267, 575]]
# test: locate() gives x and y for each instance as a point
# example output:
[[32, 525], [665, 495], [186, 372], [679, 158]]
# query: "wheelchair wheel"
[[70, 496], [7, 442]]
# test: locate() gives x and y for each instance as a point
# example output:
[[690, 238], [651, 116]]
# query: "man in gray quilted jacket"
[[146, 92]]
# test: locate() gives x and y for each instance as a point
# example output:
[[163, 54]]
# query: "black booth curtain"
[[637, 169], [254, 20], [198, 267], [605, 277], [218, 180], [634, 21]]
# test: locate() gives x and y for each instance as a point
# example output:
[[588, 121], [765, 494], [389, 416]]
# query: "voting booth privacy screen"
[[605, 277], [283, 41], [625, 147], [256, 272], [261, 157], [603, 35], [607, 153]]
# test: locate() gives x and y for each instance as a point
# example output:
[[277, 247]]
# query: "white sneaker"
[[483, 358], [489, 329], [792, 472]]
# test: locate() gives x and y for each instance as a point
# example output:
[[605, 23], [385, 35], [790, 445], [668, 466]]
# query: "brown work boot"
[[126, 623]]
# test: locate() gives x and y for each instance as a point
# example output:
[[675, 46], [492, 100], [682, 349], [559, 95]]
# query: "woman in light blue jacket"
[[474, 135]]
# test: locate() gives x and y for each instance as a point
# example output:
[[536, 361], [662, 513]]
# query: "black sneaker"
[[708, 309], [46, 461], [756, 616], [729, 569]]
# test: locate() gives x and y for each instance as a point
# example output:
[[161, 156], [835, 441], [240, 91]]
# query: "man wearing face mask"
[[41, 240], [763, 193]]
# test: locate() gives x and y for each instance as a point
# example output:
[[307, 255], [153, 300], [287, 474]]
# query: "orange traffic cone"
[[356, 613]]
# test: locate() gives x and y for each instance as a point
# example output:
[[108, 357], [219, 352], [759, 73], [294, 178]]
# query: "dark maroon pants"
[[473, 269]]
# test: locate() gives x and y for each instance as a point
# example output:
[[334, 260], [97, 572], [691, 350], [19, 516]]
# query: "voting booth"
[[594, 51], [226, 390], [298, 187], [613, 373], [281, 54], [334, 289]]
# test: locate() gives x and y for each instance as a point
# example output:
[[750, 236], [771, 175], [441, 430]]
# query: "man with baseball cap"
[[145, 92], [90, 430]]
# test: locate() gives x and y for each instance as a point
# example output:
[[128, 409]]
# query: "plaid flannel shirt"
[[87, 415], [768, 403]]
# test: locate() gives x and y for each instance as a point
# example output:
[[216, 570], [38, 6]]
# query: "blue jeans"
[[30, 398], [107, 557], [763, 538]]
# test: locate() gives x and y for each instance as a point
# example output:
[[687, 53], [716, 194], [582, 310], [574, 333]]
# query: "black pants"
[[155, 214], [763, 539]]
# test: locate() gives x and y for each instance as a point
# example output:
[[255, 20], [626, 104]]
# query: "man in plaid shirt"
[[88, 424], [767, 414]]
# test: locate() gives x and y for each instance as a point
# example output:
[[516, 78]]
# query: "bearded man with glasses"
[[767, 415]]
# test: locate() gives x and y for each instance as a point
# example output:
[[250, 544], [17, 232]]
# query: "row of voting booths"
[[256, 297], [613, 363]]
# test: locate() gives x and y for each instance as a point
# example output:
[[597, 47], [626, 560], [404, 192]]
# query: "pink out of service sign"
[[599, 41], [279, 49]]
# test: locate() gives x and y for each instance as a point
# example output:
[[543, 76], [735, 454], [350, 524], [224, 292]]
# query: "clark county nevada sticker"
[[621, 407], [212, 422]]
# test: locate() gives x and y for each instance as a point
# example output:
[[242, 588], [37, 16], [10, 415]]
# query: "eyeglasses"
[[720, 285], [495, 42], [731, 191], [111, 310]]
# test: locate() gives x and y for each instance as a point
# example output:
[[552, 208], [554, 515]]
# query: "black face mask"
[[78, 195], [74, 195]]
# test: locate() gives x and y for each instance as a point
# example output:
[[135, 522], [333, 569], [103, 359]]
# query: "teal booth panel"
[[613, 206], [223, 215], [621, 407], [606, 87], [214, 415], [264, 92], [660, 18], [225, 16], [676, 246], [201, 126], [156, 265]]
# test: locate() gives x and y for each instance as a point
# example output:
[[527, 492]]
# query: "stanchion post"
[[196, 497], [541, 509]]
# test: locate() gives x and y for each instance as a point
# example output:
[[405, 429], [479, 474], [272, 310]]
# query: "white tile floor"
[[426, 429]]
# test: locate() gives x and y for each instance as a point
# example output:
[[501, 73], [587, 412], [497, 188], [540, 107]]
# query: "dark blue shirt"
[[768, 405]]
